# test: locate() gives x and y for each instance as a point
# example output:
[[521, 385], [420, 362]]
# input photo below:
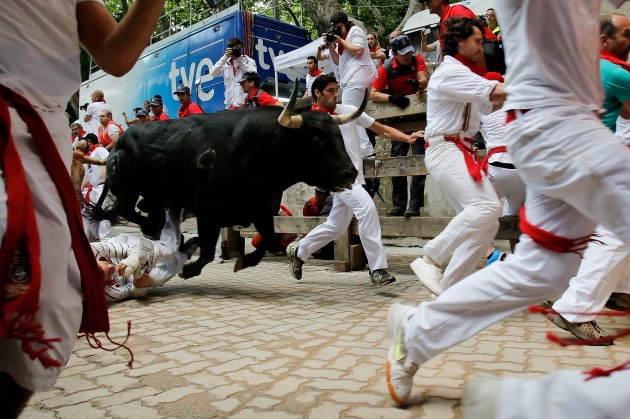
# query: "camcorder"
[[84, 107], [332, 34], [236, 52]]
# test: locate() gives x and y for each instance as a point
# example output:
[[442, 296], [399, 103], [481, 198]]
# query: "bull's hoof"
[[190, 270], [239, 265]]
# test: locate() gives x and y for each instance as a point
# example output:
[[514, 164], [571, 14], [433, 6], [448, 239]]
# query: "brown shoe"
[[585, 331]]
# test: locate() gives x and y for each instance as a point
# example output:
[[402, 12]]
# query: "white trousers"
[[354, 96], [577, 174], [565, 395], [469, 234], [604, 270], [507, 183], [60, 294], [349, 202]]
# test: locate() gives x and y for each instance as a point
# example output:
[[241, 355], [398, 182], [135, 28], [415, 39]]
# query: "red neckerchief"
[[252, 93], [374, 49], [323, 109], [20, 279], [605, 55], [339, 46], [479, 70], [94, 147], [316, 73]]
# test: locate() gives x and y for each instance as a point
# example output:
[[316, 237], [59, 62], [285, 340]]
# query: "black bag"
[[495, 56]]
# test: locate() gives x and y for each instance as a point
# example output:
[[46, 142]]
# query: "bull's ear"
[[286, 118]]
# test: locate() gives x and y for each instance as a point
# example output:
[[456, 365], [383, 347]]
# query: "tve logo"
[[199, 72], [187, 77]]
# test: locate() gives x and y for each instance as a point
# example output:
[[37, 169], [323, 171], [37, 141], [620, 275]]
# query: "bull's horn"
[[344, 119], [286, 118]]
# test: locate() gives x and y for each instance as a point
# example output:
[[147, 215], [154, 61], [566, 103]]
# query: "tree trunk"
[[413, 8]]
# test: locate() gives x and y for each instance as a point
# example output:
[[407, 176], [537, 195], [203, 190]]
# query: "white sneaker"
[[480, 397], [429, 274], [400, 369]]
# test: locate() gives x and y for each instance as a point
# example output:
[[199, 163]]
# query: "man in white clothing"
[[93, 111], [93, 184], [577, 175], [348, 202], [349, 49], [38, 73], [232, 65], [454, 92]]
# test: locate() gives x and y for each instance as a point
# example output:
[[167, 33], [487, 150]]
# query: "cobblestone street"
[[260, 344]]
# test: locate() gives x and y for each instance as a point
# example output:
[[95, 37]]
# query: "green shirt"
[[616, 81]]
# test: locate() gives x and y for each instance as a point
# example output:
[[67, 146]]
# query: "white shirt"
[[451, 87], [309, 82], [96, 174], [234, 94], [351, 139], [356, 71], [39, 50], [552, 52], [493, 126], [94, 109]]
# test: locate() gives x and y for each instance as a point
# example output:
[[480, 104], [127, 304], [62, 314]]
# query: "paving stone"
[[171, 395], [134, 410]]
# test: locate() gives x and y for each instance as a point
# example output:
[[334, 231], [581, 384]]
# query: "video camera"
[[332, 34], [84, 107]]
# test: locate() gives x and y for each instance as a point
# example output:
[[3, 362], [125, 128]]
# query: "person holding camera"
[[405, 73], [348, 48], [93, 110], [232, 66]]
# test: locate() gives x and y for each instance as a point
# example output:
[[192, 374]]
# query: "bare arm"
[[114, 138], [116, 46], [423, 44], [378, 96], [86, 118], [498, 95], [378, 54], [392, 133], [332, 53], [423, 81]]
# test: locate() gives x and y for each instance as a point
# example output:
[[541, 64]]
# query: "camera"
[[236, 52], [332, 34], [84, 107]]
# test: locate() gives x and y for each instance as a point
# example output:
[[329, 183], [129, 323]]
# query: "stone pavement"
[[260, 344]]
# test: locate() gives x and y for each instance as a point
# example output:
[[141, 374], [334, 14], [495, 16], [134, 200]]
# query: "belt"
[[470, 155], [503, 165]]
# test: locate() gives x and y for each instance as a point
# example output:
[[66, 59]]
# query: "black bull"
[[226, 168]]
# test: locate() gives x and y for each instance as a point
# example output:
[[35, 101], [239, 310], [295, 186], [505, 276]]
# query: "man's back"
[[541, 66]]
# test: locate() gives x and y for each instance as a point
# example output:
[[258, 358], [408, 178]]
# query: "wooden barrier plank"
[[380, 111]]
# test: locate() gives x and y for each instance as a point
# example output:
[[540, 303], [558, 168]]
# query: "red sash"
[[470, 157], [20, 280], [483, 165]]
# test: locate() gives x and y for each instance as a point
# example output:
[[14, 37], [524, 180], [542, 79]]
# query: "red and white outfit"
[[467, 236], [189, 108], [106, 132], [501, 170], [576, 171], [232, 70], [44, 68], [357, 74], [95, 175], [350, 202], [310, 78]]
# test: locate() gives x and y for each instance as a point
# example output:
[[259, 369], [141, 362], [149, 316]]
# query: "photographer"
[[403, 74], [232, 66], [347, 47], [93, 110]]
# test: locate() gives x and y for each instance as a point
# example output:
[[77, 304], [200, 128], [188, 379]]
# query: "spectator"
[[405, 73], [232, 65], [157, 108], [77, 133], [159, 99], [445, 11], [350, 51], [109, 131], [256, 97], [377, 54], [188, 107], [93, 111], [145, 107], [142, 116], [312, 65], [491, 17]]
